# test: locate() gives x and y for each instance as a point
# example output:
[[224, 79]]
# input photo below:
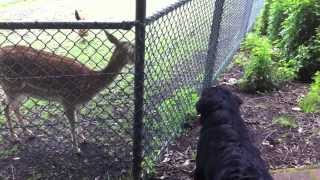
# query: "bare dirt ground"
[[281, 147]]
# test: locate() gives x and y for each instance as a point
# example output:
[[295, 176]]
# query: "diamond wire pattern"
[[177, 46], [176, 52], [105, 120]]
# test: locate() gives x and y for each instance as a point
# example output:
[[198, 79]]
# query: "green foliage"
[[286, 122], [173, 112], [251, 41], [264, 20], [265, 67], [311, 102], [309, 57], [172, 116], [241, 59], [287, 70], [301, 24], [258, 75], [5, 153], [279, 11]]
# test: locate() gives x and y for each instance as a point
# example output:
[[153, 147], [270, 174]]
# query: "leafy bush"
[[264, 66], [264, 20], [251, 41], [287, 70], [311, 102], [301, 24], [258, 71], [309, 57], [279, 11]]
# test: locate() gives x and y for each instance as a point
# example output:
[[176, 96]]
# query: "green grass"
[[311, 102], [170, 44], [5, 153], [173, 111], [94, 53], [285, 121], [13, 3]]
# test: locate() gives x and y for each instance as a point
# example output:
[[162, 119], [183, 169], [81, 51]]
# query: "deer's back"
[[38, 73]]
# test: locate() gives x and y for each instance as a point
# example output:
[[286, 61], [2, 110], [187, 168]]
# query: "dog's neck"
[[217, 118]]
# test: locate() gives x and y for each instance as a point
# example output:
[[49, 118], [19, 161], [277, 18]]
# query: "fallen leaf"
[[296, 109]]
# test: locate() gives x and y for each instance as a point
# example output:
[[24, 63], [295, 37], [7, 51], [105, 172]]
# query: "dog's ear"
[[206, 105]]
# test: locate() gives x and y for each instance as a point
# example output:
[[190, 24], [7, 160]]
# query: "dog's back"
[[222, 156], [224, 149]]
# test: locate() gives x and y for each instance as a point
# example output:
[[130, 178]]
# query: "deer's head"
[[123, 48]]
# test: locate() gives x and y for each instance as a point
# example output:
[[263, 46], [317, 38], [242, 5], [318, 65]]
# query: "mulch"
[[281, 147]]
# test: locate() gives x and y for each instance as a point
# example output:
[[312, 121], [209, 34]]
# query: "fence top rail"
[[166, 11], [126, 25]]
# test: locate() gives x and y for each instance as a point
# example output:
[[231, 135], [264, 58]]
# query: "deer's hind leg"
[[16, 109], [12, 102]]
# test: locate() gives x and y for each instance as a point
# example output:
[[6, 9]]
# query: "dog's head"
[[216, 98]]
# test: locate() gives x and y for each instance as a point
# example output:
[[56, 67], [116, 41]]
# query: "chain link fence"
[[187, 42], [105, 120], [183, 44]]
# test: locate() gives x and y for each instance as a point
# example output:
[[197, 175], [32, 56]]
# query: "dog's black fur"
[[225, 151]]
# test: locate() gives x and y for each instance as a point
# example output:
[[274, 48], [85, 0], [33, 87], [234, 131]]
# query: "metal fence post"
[[138, 88], [213, 43]]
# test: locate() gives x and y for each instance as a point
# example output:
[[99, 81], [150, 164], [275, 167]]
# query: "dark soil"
[[281, 147]]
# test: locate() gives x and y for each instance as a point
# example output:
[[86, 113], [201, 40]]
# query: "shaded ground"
[[281, 147]]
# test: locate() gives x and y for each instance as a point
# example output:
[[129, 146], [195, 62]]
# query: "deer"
[[81, 32], [28, 72]]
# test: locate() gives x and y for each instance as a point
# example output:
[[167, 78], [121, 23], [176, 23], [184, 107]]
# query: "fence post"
[[213, 42], [138, 88]]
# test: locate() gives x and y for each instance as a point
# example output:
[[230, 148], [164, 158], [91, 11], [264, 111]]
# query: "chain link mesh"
[[176, 54], [176, 41], [105, 120]]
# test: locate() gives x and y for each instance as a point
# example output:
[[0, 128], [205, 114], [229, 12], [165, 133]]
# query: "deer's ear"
[[111, 38]]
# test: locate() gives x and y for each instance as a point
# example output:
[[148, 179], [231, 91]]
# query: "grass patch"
[[311, 102], [95, 53], [285, 121], [8, 152], [7, 4], [173, 112]]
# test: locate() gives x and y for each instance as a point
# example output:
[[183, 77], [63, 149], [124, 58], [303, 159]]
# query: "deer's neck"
[[113, 69]]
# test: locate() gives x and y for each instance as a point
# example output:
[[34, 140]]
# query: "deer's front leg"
[[70, 112]]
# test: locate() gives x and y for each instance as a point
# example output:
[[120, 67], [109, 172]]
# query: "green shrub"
[[287, 70], [309, 57], [279, 11], [265, 67], [251, 41], [264, 20], [311, 102], [242, 58], [301, 25], [258, 72]]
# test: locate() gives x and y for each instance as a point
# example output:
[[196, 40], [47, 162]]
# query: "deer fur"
[[27, 72], [82, 32]]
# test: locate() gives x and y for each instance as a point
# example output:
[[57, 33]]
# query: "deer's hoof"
[[14, 139], [28, 132], [78, 151]]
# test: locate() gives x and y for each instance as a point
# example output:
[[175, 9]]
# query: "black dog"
[[225, 151]]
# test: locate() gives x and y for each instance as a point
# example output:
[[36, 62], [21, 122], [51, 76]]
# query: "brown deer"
[[82, 32], [27, 72]]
